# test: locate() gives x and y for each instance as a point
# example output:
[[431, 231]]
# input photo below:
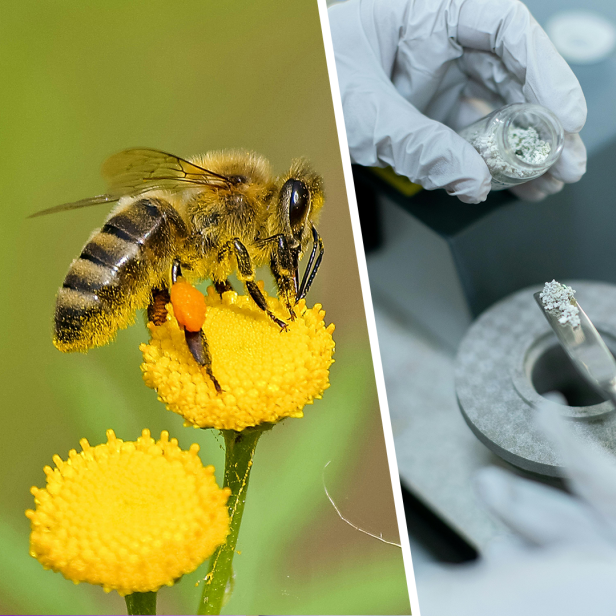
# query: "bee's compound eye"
[[299, 200]]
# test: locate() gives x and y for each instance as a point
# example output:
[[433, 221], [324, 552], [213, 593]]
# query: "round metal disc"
[[494, 377]]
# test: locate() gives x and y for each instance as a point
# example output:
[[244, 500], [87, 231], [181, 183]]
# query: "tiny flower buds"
[[129, 516], [264, 374]]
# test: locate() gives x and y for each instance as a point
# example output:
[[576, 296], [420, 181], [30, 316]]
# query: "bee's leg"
[[247, 275], [196, 341], [284, 266], [197, 344], [257, 296], [157, 309], [176, 271], [222, 286], [308, 277]]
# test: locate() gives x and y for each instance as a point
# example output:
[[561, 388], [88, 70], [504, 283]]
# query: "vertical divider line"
[[368, 307]]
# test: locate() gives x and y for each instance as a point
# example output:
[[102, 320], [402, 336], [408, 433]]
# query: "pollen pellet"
[[188, 306]]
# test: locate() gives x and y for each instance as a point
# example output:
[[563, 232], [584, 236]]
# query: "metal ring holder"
[[509, 357]]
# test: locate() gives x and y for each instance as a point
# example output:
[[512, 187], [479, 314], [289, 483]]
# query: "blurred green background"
[[82, 81]]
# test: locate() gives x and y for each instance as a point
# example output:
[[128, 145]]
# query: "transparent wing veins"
[[139, 170]]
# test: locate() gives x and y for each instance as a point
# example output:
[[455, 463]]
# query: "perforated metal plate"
[[493, 377]]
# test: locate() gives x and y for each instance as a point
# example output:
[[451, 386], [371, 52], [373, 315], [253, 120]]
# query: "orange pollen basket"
[[188, 306]]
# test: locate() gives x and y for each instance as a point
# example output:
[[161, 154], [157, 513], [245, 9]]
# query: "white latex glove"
[[406, 69], [565, 561]]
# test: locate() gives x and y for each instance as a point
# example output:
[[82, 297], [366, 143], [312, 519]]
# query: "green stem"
[[240, 450], [141, 603]]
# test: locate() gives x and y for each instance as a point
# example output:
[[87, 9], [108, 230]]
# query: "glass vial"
[[518, 142]]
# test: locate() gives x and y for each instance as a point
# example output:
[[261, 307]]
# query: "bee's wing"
[[138, 170], [75, 205]]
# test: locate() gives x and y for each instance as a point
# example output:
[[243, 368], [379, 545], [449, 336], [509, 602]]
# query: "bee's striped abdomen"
[[114, 274]]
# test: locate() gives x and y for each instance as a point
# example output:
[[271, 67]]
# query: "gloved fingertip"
[[539, 188], [474, 181], [530, 192], [576, 176], [555, 396], [530, 195], [553, 186], [492, 486], [470, 190], [471, 199], [575, 119], [572, 163]]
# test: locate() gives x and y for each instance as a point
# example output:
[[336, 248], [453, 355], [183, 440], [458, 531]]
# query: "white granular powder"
[[560, 297], [526, 144]]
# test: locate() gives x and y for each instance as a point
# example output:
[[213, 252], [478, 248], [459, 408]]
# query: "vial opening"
[[532, 136], [514, 153]]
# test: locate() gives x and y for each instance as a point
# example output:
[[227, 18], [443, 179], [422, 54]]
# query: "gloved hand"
[[544, 517], [561, 560], [407, 68]]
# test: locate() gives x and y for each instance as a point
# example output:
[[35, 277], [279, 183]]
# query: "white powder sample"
[[526, 144], [560, 297]]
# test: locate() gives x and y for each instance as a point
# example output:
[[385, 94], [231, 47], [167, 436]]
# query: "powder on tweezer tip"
[[557, 296]]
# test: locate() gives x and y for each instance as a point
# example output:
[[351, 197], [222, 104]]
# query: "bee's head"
[[300, 200]]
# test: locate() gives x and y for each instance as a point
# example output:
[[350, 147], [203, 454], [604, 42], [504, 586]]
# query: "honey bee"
[[202, 218]]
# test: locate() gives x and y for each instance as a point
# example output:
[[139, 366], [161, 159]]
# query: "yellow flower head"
[[265, 374], [129, 516]]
